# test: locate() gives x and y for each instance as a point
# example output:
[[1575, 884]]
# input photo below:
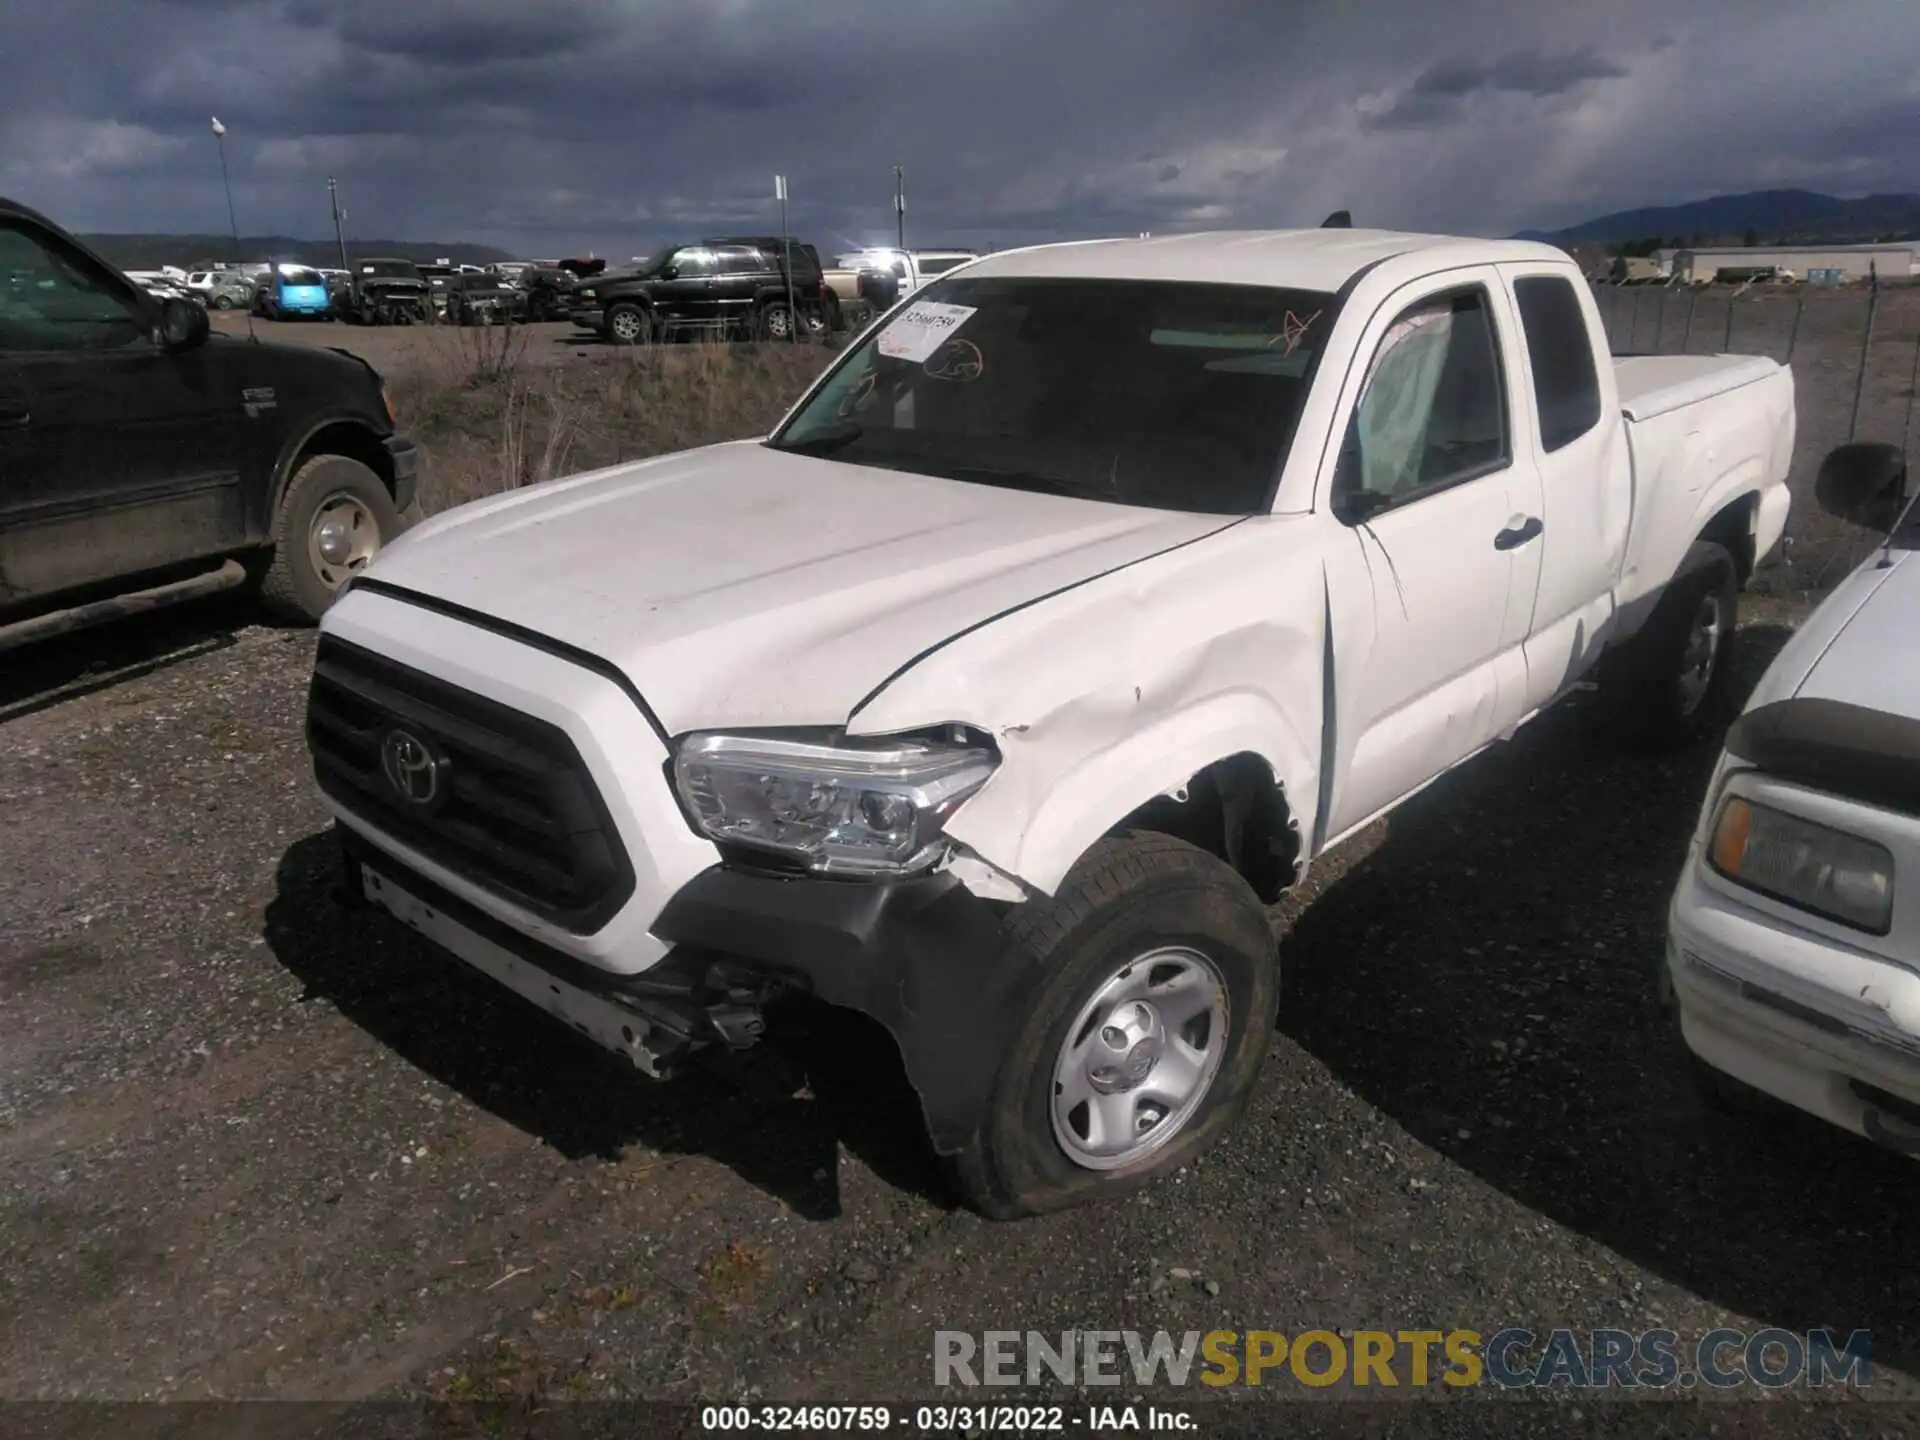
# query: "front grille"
[[516, 813]]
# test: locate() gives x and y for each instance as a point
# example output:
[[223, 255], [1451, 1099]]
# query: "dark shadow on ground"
[[67, 666], [1486, 977], [777, 1115]]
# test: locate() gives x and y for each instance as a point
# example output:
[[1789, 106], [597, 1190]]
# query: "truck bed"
[[1652, 385], [1700, 429]]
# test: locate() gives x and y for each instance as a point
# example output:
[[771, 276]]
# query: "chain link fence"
[[1855, 353]]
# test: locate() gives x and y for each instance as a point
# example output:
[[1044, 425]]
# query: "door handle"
[[13, 417], [1514, 536]]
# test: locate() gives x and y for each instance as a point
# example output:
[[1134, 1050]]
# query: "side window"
[[1433, 411], [52, 299], [1566, 387], [737, 260], [693, 264]]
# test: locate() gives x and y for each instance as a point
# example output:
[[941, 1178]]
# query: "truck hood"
[[1873, 659], [1839, 709], [740, 586]]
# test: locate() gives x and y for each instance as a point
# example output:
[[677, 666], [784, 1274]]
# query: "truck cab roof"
[[1303, 259]]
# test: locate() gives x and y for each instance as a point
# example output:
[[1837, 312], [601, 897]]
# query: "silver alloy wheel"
[[626, 326], [1139, 1058], [342, 540], [1702, 653], [779, 322]]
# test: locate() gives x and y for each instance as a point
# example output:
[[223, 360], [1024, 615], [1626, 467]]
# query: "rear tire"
[[1144, 929], [774, 322], [310, 560], [1672, 679]]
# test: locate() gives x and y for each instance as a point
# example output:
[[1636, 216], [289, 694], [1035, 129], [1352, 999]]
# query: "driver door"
[[684, 293], [116, 457], [1444, 512]]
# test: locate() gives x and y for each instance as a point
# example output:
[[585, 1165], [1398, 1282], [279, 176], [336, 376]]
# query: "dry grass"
[[491, 422]]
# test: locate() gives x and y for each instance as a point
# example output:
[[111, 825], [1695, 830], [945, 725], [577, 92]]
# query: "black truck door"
[[118, 457]]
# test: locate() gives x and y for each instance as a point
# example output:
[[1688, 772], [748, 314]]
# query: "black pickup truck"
[[145, 460], [735, 285]]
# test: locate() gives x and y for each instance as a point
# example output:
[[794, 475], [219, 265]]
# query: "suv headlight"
[[1815, 867], [843, 806]]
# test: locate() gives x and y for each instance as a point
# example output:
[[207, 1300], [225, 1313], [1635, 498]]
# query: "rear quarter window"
[[1566, 386]]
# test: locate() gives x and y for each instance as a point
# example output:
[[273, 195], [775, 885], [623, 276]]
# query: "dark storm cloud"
[[615, 124], [1438, 91]]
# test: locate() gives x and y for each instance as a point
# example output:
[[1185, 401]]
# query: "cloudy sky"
[[609, 125]]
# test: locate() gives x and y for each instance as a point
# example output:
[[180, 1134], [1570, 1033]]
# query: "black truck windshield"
[[1172, 395]]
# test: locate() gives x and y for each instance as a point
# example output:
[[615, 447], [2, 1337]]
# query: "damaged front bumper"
[[925, 956]]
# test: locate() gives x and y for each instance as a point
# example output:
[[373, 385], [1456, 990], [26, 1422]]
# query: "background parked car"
[[549, 290], [386, 291], [477, 298], [223, 290], [724, 287], [294, 292]]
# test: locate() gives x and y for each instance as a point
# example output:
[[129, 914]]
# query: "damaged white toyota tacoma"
[[1073, 611]]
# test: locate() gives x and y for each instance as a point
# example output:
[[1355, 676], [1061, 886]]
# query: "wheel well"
[[344, 437], [1234, 809], [1732, 527]]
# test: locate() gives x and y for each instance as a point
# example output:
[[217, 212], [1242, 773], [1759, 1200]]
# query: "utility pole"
[[339, 234], [900, 206]]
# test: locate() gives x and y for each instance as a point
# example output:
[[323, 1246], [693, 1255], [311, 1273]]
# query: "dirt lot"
[[253, 1143], [403, 349]]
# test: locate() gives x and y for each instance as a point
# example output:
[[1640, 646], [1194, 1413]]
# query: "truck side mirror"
[[182, 325], [1864, 483]]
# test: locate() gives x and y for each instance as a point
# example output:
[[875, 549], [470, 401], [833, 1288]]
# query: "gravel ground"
[[255, 1144]]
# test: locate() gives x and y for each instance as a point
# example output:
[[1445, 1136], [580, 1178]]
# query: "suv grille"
[[498, 797]]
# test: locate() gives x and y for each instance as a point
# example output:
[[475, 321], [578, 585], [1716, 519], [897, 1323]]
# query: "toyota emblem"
[[411, 767]]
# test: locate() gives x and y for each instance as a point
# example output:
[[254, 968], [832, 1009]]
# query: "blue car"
[[294, 292]]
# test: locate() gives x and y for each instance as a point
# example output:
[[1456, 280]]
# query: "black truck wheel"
[[1144, 1037], [629, 325], [1670, 681], [334, 516], [774, 322]]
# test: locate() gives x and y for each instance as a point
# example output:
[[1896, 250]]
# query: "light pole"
[[900, 206], [339, 234], [233, 223]]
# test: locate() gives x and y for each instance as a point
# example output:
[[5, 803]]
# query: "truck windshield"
[[1170, 395], [390, 269]]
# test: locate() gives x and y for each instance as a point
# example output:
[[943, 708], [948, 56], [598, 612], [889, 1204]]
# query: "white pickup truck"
[[1057, 629]]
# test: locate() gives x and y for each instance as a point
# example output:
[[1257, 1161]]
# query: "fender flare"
[[1040, 843], [283, 464]]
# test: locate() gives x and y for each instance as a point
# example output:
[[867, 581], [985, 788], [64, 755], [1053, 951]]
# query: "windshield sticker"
[[1293, 330], [862, 392], [922, 329], [956, 360]]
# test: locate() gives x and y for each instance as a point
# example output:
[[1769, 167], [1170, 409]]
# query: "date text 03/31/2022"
[[941, 1419]]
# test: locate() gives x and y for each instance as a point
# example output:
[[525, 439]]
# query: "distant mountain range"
[[150, 252], [1772, 216]]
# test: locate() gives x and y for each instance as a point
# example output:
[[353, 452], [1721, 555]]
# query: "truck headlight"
[[842, 806], [1815, 867]]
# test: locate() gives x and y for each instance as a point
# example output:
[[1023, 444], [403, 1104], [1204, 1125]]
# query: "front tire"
[[628, 325], [333, 519], [1143, 1039]]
